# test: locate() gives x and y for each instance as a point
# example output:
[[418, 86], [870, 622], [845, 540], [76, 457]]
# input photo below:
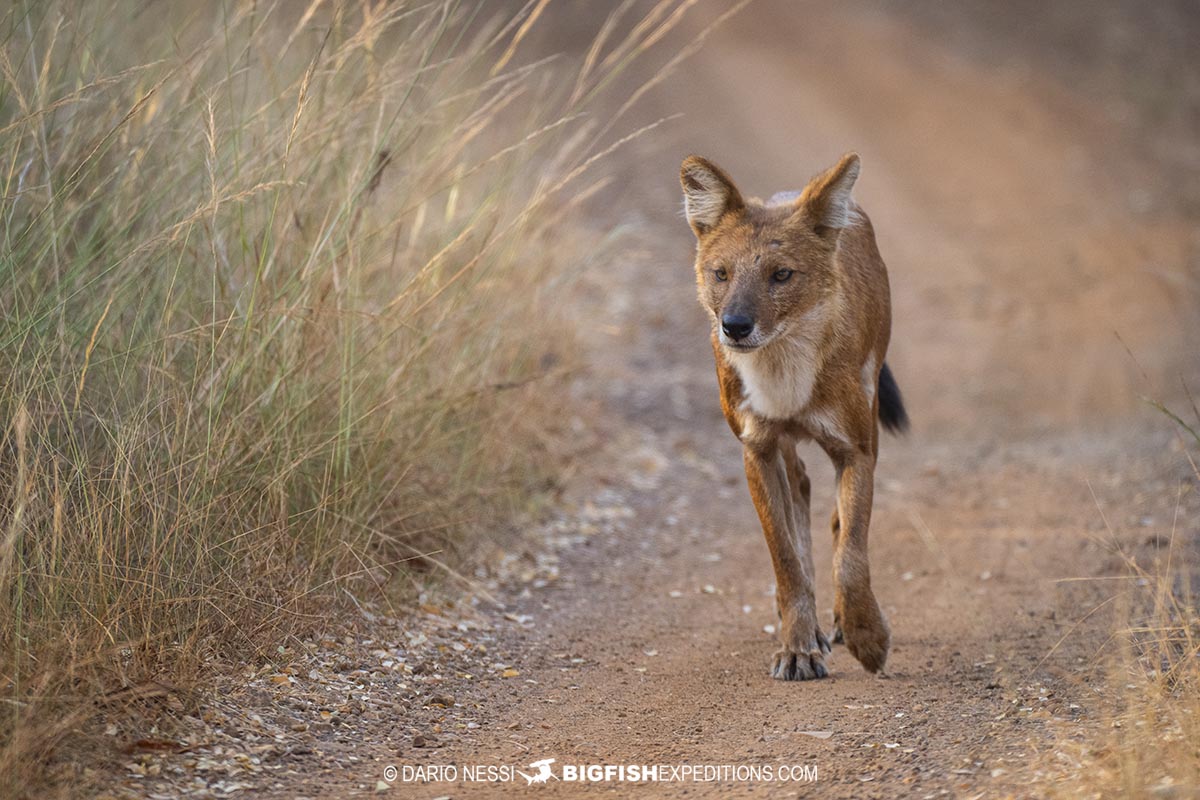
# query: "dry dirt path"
[[1003, 209]]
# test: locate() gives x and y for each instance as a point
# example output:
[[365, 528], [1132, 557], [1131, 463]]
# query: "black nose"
[[737, 326]]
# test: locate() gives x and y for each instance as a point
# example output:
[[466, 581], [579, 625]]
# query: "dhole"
[[801, 317]]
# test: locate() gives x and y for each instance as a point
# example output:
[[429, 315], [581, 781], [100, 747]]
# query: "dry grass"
[[279, 289], [1156, 743], [1155, 739], [1151, 744]]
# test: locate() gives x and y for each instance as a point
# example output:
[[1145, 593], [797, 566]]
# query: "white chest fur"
[[778, 379]]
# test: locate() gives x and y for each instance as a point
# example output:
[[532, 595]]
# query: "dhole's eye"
[[721, 274], [782, 275]]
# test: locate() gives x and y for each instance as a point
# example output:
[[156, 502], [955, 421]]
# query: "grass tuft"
[[1151, 686], [1155, 748], [278, 311]]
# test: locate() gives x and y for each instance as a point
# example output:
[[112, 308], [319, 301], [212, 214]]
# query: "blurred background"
[[1030, 170], [307, 296]]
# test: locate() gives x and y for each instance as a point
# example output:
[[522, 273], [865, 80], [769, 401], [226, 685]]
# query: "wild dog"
[[801, 318]]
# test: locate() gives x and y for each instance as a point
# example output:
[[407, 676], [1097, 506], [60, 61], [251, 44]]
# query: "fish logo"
[[543, 774]]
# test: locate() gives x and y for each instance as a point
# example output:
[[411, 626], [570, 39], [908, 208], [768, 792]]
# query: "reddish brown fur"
[[825, 329]]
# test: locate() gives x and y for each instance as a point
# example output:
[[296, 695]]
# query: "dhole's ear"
[[708, 194], [826, 202]]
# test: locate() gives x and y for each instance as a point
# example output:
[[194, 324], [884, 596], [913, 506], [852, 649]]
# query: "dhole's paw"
[[867, 636], [838, 637], [788, 665], [802, 663]]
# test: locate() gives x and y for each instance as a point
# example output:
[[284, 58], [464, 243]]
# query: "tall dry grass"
[[1150, 744], [279, 301], [1155, 748]]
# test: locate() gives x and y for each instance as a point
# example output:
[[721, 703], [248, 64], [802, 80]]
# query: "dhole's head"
[[761, 268]]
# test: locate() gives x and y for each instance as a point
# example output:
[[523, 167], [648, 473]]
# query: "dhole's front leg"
[[801, 488], [856, 613], [802, 656]]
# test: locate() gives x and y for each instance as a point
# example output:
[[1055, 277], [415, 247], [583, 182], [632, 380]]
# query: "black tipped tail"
[[891, 404]]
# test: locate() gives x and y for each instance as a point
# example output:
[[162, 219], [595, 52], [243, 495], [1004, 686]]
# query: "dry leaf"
[[816, 734]]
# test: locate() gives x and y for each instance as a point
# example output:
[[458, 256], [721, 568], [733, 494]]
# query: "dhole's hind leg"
[[837, 637], [802, 655]]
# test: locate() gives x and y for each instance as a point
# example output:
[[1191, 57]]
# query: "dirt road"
[[1003, 206], [1022, 231]]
